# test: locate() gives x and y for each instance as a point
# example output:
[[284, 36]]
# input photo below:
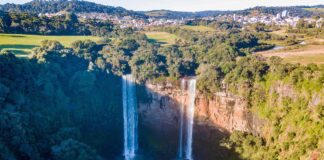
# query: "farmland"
[[21, 44], [303, 55], [163, 38]]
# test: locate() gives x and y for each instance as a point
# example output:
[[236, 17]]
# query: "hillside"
[[77, 6], [294, 11]]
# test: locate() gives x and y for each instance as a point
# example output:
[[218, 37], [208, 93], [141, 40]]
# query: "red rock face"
[[225, 112], [214, 120]]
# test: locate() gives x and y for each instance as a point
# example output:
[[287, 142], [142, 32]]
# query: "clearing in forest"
[[22, 44]]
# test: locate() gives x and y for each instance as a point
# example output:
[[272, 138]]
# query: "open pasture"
[[22, 44]]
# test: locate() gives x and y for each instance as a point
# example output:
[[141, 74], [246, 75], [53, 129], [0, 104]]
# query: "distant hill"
[[316, 10], [293, 10], [178, 15], [77, 6], [81, 6], [301, 11]]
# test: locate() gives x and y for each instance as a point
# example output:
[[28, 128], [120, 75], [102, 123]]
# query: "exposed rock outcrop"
[[224, 111]]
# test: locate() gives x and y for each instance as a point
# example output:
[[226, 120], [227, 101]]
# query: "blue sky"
[[194, 5]]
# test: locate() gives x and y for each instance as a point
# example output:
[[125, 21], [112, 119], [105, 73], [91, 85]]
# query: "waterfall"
[[190, 112], [183, 98], [130, 116], [190, 117]]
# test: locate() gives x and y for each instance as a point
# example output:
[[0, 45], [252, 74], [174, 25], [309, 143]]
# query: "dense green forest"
[[67, 24], [50, 103], [77, 6]]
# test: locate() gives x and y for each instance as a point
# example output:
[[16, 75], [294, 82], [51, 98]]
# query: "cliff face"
[[224, 112], [214, 119]]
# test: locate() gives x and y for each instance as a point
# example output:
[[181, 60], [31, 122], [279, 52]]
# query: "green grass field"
[[303, 55], [198, 28], [163, 38], [22, 44], [304, 60]]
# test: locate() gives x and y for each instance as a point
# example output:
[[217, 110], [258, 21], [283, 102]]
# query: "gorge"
[[205, 97], [167, 113], [89, 109]]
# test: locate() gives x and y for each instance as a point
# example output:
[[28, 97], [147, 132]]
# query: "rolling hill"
[[80, 6], [76, 6]]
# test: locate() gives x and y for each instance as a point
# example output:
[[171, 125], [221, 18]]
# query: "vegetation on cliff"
[[290, 99], [50, 103]]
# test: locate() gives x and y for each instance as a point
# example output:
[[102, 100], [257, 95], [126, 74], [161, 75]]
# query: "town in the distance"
[[282, 18]]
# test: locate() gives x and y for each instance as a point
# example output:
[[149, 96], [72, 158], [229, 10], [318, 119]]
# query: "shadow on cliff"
[[159, 123]]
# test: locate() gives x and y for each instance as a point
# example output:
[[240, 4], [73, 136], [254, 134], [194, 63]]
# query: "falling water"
[[190, 110], [190, 117], [130, 117], [183, 87]]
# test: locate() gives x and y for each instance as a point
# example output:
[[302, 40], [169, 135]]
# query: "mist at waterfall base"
[[143, 141]]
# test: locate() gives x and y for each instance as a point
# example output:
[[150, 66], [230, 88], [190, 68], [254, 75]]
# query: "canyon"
[[223, 111], [214, 119]]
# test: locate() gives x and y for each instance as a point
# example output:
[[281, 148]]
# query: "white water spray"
[[190, 111], [190, 117], [130, 116], [183, 88]]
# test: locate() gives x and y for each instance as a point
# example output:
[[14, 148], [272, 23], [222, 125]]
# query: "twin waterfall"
[[130, 115], [187, 87]]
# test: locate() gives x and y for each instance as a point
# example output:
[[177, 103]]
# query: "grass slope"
[[303, 55], [163, 38], [22, 44]]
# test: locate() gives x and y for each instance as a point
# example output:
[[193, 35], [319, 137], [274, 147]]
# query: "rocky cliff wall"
[[223, 111]]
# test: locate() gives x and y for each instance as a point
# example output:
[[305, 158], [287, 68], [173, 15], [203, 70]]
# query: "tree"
[[209, 79], [148, 64], [71, 149], [258, 27]]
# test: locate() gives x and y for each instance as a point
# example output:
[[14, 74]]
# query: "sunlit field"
[[303, 55], [22, 44], [163, 38]]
